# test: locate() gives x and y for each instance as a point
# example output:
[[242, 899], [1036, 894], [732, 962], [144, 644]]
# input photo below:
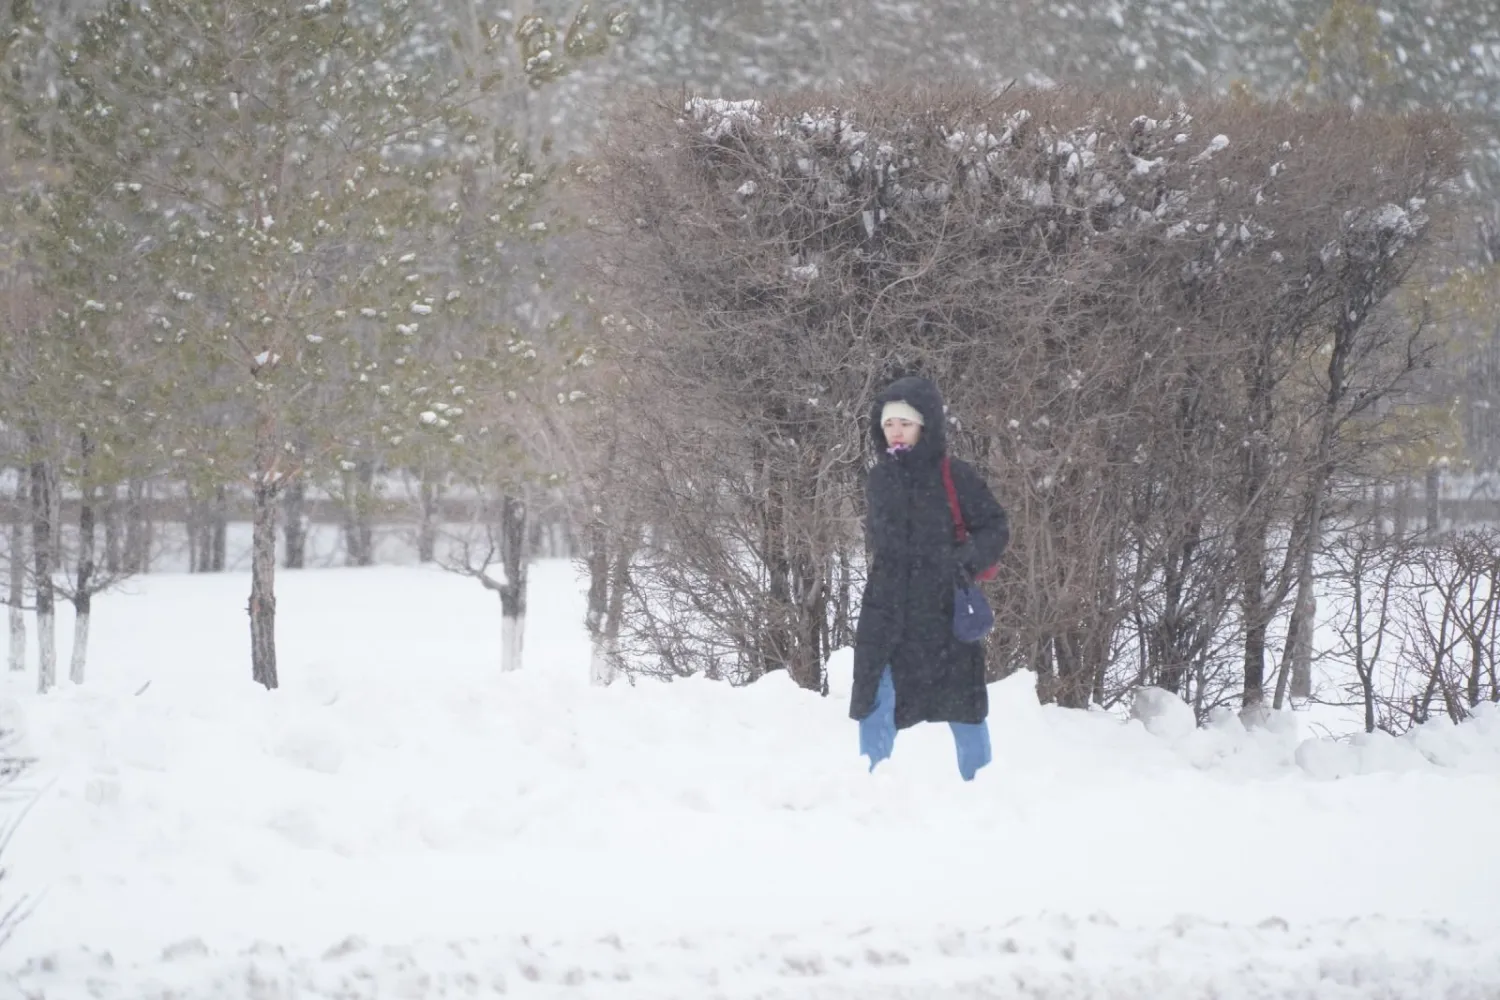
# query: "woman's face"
[[899, 431]]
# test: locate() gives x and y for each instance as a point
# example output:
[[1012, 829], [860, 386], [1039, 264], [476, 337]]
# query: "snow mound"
[[1470, 747], [399, 789], [1275, 744], [1162, 713]]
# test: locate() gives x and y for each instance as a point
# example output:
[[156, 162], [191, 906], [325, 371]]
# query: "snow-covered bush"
[[1123, 298]]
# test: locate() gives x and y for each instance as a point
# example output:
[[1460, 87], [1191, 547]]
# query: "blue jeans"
[[877, 733]]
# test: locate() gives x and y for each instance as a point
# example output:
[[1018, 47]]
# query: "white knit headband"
[[901, 410]]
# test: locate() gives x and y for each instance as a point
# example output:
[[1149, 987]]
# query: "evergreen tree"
[[281, 186]]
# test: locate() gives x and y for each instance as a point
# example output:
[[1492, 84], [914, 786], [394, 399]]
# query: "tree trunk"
[[263, 587], [1253, 532], [265, 495], [41, 548], [83, 596], [1302, 654], [778, 641], [538, 541], [1072, 640], [137, 555], [218, 533], [843, 624], [1075, 668], [609, 575], [359, 548], [1378, 511], [1401, 512], [1430, 485], [601, 670], [110, 515], [432, 500], [1170, 641], [809, 608], [194, 532], [619, 579], [513, 591], [208, 528], [1097, 635], [1476, 672], [1363, 669], [1296, 659], [1481, 630], [1296, 654], [601, 662], [1042, 658], [295, 532], [1252, 557], [208, 524], [17, 596]]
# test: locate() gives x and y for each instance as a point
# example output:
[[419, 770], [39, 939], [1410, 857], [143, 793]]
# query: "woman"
[[908, 666]]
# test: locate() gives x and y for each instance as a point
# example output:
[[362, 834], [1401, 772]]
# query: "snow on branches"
[[1219, 179]]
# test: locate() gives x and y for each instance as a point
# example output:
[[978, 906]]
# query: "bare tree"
[[497, 537], [90, 476], [585, 439]]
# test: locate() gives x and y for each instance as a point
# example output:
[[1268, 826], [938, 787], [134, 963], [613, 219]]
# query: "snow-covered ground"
[[401, 820]]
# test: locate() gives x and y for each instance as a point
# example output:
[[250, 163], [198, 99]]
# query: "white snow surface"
[[401, 819]]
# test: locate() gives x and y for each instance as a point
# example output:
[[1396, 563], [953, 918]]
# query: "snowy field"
[[401, 820]]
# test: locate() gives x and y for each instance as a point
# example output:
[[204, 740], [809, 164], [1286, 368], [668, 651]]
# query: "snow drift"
[[403, 817]]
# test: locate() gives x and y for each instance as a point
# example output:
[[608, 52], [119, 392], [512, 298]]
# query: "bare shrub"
[[1367, 579], [1416, 618], [1448, 631], [1117, 294]]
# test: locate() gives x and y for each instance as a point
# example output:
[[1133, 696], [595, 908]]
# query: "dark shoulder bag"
[[972, 616]]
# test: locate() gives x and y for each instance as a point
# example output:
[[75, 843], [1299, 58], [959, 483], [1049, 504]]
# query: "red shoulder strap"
[[959, 528]]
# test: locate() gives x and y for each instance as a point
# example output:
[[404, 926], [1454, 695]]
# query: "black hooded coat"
[[913, 562]]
